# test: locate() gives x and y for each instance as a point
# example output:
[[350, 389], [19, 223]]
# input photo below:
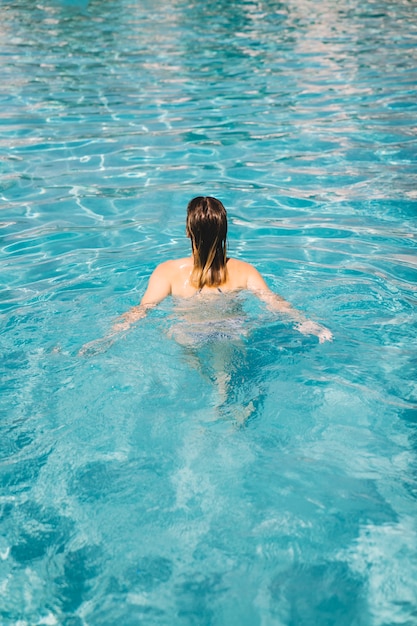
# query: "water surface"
[[254, 479]]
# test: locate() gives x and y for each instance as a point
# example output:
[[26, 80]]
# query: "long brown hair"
[[207, 229]]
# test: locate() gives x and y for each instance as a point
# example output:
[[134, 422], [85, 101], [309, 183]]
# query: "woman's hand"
[[97, 346], [312, 328], [122, 323]]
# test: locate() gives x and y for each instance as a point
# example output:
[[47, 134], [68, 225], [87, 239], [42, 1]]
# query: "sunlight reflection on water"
[[159, 483]]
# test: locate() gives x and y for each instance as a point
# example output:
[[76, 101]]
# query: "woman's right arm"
[[256, 283]]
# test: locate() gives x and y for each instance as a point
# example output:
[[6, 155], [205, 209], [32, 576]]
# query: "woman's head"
[[207, 229]]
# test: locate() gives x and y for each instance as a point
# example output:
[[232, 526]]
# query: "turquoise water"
[[258, 479]]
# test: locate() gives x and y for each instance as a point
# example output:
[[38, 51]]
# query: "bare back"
[[174, 278]]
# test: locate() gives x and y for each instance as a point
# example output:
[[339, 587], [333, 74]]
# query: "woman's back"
[[209, 271], [176, 279]]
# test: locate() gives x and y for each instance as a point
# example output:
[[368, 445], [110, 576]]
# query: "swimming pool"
[[144, 484]]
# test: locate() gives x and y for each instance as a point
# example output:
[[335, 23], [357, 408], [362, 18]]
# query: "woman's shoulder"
[[245, 275], [174, 265], [239, 266], [238, 273]]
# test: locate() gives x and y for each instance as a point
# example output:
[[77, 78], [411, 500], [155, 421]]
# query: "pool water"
[[255, 478]]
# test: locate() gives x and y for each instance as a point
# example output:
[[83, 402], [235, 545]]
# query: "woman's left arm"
[[159, 287]]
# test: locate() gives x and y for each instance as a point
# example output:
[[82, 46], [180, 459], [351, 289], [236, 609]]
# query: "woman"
[[209, 271]]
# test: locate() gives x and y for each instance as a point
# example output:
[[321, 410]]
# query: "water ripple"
[[131, 491]]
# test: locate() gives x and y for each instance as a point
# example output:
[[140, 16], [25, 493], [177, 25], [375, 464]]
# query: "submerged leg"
[[223, 362], [233, 377]]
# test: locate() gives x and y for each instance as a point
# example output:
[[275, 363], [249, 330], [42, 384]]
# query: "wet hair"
[[207, 229]]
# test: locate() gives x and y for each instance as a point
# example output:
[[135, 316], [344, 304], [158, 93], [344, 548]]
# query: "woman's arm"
[[256, 283], [159, 287]]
